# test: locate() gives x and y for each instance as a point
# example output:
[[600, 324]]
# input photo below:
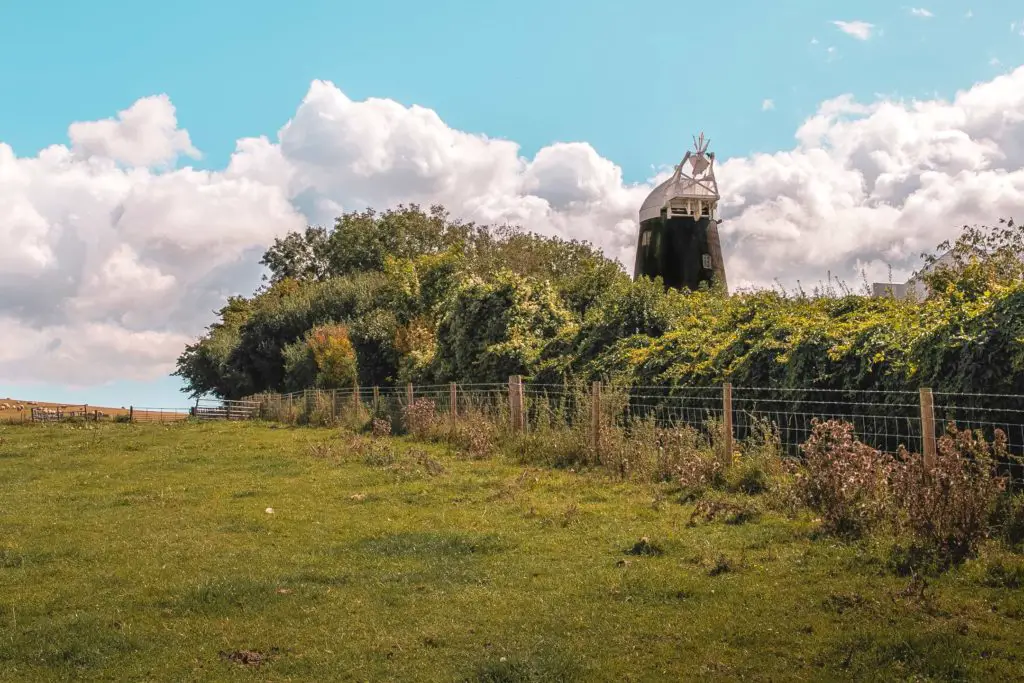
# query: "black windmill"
[[679, 225]]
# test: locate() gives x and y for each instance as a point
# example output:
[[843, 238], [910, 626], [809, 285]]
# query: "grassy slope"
[[141, 552]]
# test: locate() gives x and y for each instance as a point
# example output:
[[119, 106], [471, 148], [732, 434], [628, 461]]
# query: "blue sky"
[[615, 74], [633, 79]]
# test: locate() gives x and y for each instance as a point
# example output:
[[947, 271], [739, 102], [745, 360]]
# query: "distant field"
[[9, 411], [185, 552]]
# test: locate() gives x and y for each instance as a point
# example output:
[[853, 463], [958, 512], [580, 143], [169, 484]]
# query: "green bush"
[[426, 298]]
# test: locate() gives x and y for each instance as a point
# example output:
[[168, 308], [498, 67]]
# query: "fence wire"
[[887, 420], [883, 420]]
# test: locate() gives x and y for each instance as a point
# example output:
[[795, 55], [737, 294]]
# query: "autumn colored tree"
[[334, 356]]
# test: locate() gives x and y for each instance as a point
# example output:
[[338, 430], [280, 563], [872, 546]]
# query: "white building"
[[913, 288]]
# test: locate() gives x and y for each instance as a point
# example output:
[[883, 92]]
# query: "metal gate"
[[216, 409]]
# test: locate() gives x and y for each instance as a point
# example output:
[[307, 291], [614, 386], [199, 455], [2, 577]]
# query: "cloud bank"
[[114, 254]]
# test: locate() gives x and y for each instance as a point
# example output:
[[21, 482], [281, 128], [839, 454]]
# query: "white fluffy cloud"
[[922, 12], [114, 257], [861, 30], [145, 134]]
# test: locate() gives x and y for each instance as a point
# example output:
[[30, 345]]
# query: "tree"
[[299, 256], [366, 241], [981, 259], [204, 365], [493, 329], [334, 355], [363, 241], [578, 270]]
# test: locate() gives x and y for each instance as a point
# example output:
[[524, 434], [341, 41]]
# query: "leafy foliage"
[[981, 259], [496, 329], [425, 297], [334, 356]]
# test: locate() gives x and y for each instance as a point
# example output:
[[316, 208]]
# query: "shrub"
[[681, 453], [749, 474], [759, 464], [421, 418], [948, 507], [378, 453], [351, 414], [844, 480], [474, 434], [1009, 520], [697, 471], [334, 355], [687, 454], [381, 427], [548, 446], [1003, 573], [318, 409]]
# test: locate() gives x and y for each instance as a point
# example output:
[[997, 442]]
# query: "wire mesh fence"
[[982, 412], [886, 420]]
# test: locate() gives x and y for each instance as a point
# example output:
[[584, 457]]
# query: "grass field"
[[176, 552]]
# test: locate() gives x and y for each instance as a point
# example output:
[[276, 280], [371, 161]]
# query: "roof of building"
[[698, 183]]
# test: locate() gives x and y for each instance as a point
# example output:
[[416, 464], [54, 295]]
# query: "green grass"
[[145, 552]]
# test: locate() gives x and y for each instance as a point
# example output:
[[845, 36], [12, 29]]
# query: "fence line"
[[883, 419], [86, 414]]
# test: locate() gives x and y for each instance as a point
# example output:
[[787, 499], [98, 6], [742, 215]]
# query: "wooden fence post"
[[355, 397], [595, 416], [515, 403], [453, 409], [376, 399], [131, 413], [512, 401], [928, 428], [408, 394], [521, 392], [727, 419]]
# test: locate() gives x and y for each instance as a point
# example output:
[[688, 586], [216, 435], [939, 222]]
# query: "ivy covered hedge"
[[425, 298]]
